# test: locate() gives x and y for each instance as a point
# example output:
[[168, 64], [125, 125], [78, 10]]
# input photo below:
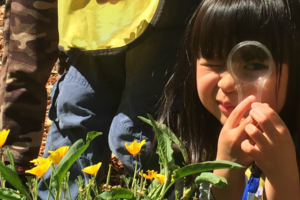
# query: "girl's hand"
[[233, 134], [229, 148], [273, 151]]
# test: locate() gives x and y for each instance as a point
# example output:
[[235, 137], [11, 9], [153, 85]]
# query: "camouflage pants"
[[30, 52]]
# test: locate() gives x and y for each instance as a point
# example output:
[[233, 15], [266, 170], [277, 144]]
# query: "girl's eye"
[[215, 66], [255, 66], [252, 71]]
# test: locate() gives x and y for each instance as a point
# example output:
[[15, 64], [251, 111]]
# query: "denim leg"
[[148, 68], [85, 99]]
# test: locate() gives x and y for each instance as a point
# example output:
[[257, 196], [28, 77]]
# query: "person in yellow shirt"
[[121, 54]]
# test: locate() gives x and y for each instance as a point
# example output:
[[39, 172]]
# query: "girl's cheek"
[[269, 96], [206, 84], [207, 90]]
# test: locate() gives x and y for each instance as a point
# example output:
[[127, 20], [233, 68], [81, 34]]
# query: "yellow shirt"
[[103, 24]]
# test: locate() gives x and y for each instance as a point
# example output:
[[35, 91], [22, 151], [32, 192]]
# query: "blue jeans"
[[85, 99], [107, 94]]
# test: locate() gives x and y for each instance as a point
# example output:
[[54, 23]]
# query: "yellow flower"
[[161, 178], [92, 169], [40, 170], [56, 156], [3, 136], [39, 161], [151, 174], [135, 147]]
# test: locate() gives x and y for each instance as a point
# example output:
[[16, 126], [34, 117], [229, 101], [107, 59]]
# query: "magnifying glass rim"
[[254, 43]]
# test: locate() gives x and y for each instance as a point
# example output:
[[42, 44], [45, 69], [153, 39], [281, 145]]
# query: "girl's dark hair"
[[216, 26]]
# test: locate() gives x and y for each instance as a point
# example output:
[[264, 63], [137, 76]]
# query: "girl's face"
[[218, 92]]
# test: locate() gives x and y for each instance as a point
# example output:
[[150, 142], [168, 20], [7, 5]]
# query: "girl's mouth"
[[226, 109]]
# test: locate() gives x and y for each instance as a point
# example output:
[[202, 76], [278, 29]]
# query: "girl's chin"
[[223, 119]]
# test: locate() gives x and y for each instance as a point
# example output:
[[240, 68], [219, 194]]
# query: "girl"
[[269, 136]]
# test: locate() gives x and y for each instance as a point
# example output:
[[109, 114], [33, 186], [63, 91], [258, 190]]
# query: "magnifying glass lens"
[[250, 63]]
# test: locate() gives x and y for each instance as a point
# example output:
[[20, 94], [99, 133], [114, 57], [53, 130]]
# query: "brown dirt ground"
[[117, 167]]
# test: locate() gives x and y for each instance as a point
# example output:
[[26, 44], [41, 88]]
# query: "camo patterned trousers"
[[30, 52]]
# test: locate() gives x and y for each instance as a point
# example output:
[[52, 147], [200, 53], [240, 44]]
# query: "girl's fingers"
[[251, 150], [257, 136], [268, 120], [237, 114]]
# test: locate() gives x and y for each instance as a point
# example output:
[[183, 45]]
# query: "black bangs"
[[221, 24]]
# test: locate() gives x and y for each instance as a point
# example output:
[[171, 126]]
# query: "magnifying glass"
[[250, 63]]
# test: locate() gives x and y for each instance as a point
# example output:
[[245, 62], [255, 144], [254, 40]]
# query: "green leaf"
[[11, 177], [115, 193], [71, 156], [217, 181], [165, 129], [126, 180], [91, 135], [204, 167], [10, 194], [11, 160], [164, 148]]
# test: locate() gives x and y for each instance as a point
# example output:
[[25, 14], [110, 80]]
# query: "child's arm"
[[229, 148], [274, 153]]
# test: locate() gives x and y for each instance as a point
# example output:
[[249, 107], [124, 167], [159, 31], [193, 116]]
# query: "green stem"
[[2, 155], [88, 191], [64, 187], [141, 186], [108, 177], [151, 185], [67, 185], [36, 188], [168, 187], [49, 188], [95, 183], [81, 192], [57, 197], [135, 187], [1, 178], [135, 169], [166, 183], [64, 193], [50, 192]]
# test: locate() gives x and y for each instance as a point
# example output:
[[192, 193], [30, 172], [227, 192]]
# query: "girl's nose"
[[226, 82]]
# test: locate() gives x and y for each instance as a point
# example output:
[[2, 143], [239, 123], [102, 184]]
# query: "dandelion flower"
[[92, 169], [39, 161], [56, 156], [135, 147], [40, 170], [151, 174], [3, 136], [161, 178]]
